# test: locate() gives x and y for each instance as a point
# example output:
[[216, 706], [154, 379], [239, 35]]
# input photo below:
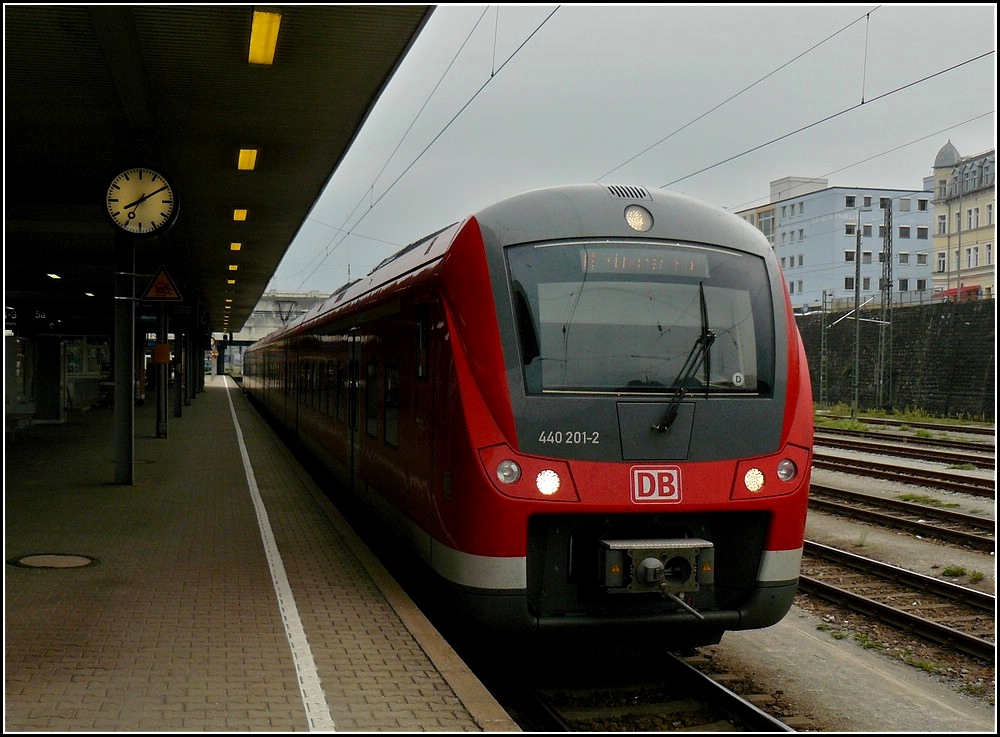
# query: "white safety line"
[[313, 697]]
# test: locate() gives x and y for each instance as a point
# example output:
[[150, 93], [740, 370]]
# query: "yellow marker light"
[[230, 281], [754, 479], [263, 37], [239, 215], [235, 246], [234, 267], [54, 276]]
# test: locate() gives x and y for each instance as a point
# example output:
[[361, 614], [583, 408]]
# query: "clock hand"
[[143, 198]]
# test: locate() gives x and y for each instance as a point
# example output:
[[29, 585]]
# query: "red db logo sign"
[[660, 484]]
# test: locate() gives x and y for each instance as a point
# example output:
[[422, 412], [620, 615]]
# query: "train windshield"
[[642, 318]]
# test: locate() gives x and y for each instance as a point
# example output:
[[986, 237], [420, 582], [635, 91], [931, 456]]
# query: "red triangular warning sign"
[[162, 287]]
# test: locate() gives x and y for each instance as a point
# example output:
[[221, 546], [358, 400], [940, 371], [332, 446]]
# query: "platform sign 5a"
[[162, 287]]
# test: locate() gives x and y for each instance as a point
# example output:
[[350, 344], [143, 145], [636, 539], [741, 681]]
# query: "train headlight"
[[754, 479], [547, 482], [508, 472], [638, 218], [787, 469]]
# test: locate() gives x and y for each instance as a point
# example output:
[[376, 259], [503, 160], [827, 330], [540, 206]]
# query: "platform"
[[210, 595]]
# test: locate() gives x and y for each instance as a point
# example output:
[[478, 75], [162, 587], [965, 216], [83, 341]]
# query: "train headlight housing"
[[781, 474], [508, 471], [787, 469], [534, 478], [547, 482]]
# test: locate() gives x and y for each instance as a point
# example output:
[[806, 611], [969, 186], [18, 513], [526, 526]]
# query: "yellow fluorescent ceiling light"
[[233, 267], [54, 276], [263, 37], [239, 214], [248, 159], [230, 281], [235, 246]]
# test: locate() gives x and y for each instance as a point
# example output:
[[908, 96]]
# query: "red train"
[[586, 408]]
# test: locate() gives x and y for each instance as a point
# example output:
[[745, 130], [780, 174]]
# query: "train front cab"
[[672, 534]]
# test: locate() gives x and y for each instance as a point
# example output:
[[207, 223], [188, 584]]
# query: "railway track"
[[945, 614], [930, 478], [666, 694], [966, 530], [976, 454], [983, 430]]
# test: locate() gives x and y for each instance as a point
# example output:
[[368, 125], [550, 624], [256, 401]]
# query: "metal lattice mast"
[[822, 354], [884, 386]]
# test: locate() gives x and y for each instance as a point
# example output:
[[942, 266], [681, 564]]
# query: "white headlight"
[[754, 479], [547, 482], [508, 472]]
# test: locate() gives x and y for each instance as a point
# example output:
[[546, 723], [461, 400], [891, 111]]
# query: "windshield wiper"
[[699, 355]]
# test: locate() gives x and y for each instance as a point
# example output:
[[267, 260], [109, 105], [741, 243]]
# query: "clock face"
[[141, 201]]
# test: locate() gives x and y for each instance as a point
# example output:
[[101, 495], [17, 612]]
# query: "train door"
[[353, 400]]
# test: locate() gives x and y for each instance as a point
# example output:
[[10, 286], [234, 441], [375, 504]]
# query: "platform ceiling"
[[92, 90]]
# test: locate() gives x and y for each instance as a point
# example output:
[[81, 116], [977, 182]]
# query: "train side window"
[[371, 400], [392, 405], [423, 339]]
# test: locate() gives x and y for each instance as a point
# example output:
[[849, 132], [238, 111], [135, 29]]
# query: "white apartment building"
[[829, 238]]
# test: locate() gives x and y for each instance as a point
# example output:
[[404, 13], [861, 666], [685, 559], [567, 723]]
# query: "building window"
[[849, 256], [972, 257], [866, 230], [868, 200], [849, 283], [791, 287], [904, 204], [782, 262], [958, 222], [866, 257], [850, 229], [881, 232], [921, 285], [989, 214], [989, 254], [921, 259], [922, 204], [904, 231], [800, 286], [884, 203], [942, 188], [921, 232], [942, 221], [904, 285], [866, 284], [802, 235], [784, 214], [904, 258], [849, 201], [800, 262], [801, 208]]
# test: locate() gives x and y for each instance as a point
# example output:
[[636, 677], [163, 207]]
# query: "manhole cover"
[[53, 560]]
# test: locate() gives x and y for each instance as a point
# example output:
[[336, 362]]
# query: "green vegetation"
[[926, 500], [953, 571]]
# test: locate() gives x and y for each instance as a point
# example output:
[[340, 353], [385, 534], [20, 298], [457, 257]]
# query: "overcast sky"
[[714, 101]]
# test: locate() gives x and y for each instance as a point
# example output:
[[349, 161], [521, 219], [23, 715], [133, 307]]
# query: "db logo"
[[661, 484]]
